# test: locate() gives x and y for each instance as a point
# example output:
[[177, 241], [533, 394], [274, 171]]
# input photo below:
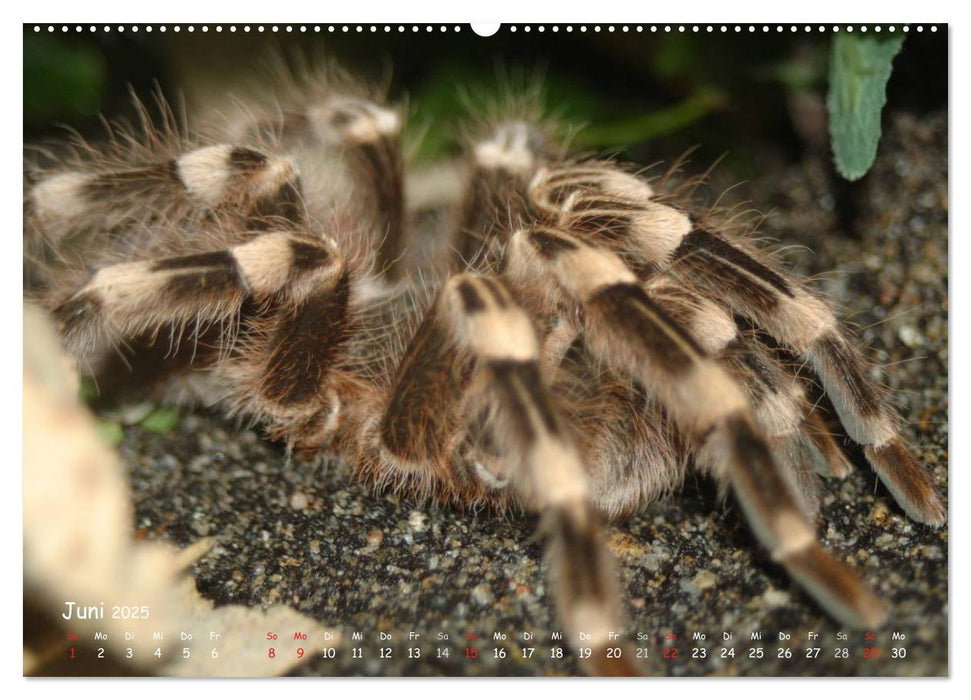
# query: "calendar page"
[[485, 350]]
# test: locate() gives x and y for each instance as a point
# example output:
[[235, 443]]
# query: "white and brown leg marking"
[[774, 394], [607, 205], [371, 138], [633, 335], [283, 295], [240, 186], [495, 201], [779, 403], [294, 345], [478, 318], [659, 236], [806, 324], [422, 417], [232, 178]]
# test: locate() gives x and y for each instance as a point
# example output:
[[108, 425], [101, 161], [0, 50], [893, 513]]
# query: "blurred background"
[[648, 96]]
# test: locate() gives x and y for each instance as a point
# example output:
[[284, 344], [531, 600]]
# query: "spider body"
[[579, 342]]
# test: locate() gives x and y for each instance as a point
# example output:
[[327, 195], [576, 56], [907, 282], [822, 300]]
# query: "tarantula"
[[582, 339]]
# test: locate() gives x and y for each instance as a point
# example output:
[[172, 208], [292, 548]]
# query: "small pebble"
[[705, 579], [417, 521], [879, 513], [775, 598], [910, 336], [299, 500], [483, 594]]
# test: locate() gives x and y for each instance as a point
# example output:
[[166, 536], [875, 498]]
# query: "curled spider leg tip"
[[836, 587], [907, 482], [839, 467], [829, 460]]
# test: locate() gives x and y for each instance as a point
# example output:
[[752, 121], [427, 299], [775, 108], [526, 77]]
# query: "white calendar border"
[[601, 11]]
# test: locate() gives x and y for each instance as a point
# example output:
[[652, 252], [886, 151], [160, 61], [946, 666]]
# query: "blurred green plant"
[[110, 432], [62, 81], [161, 420], [595, 120], [860, 66], [112, 418], [652, 125]]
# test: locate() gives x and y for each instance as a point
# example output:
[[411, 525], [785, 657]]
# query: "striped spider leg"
[[113, 204], [619, 210], [364, 136], [501, 166], [370, 136], [263, 318], [634, 336], [476, 348]]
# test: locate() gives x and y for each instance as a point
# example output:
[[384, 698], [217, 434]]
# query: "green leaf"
[[858, 73], [161, 420]]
